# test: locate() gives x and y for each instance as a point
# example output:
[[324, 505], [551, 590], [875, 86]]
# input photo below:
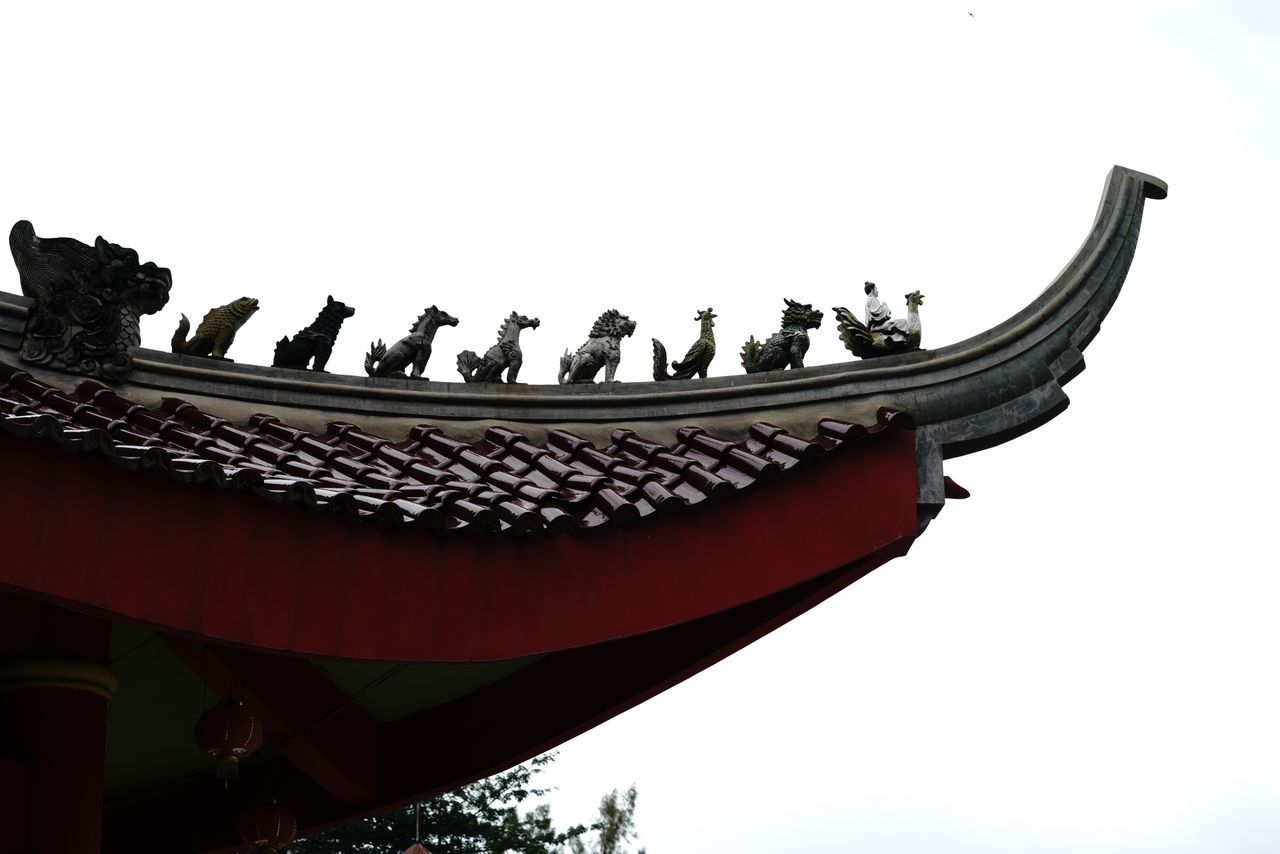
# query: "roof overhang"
[[601, 618]]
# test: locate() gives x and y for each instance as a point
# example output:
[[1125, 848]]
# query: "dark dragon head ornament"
[[88, 301], [800, 316]]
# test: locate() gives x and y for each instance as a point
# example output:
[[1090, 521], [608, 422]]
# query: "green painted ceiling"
[[418, 686], [149, 730], [149, 733]]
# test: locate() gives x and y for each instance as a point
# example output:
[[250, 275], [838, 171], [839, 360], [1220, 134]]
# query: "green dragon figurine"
[[785, 348], [696, 361]]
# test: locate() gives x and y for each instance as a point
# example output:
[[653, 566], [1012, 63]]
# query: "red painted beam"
[[330, 738], [489, 730], [479, 734], [232, 567]]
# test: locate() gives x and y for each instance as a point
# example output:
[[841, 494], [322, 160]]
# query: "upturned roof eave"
[[967, 396]]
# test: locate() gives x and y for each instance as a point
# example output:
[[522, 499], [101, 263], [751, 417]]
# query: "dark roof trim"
[[969, 395], [502, 484]]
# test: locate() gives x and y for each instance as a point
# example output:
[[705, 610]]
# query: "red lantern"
[[228, 732], [416, 848], [268, 827]]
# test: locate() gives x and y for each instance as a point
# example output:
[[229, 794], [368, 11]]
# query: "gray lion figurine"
[[602, 350]]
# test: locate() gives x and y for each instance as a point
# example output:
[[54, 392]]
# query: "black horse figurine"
[[384, 361]]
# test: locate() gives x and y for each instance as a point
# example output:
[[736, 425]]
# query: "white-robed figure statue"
[[896, 332], [881, 335], [878, 315]]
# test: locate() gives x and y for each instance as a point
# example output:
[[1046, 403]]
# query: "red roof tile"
[[503, 483]]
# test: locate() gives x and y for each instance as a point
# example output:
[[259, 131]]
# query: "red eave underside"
[[640, 599], [232, 567]]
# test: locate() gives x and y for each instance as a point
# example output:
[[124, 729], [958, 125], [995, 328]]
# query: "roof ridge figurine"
[[216, 331], [602, 350], [88, 300], [880, 335], [415, 348], [785, 348], [697, 360], [313, 344], [505, 355]]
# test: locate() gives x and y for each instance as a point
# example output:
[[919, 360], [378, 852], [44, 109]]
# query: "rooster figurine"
[[696, 361]]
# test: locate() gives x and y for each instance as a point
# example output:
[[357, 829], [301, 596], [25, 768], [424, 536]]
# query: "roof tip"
[[1152, 187]]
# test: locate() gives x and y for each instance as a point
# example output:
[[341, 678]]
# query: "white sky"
[[1081, 657]]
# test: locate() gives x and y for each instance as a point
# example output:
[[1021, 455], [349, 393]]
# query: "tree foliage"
[[615, 827], [485, 817]]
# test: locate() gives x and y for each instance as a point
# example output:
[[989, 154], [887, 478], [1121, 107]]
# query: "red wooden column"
[[54, 690]]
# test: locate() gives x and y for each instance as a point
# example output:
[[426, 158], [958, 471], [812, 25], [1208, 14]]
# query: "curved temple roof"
[[297, 617], [963, 397]]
